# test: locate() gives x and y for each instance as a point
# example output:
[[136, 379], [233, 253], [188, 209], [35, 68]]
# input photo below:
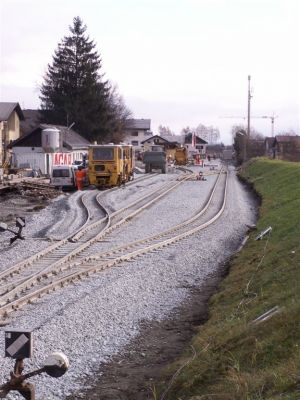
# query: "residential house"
[[30, 151], [195, 145], [172, 137], [158, 141], [10, 117], [137, 131]]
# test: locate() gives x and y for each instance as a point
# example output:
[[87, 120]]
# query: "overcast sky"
[[177, 62]]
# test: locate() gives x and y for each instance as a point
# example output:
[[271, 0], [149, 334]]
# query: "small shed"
[[287, 147]]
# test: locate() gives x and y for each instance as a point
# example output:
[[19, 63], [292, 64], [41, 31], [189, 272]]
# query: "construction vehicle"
[[181, 156], [110, 165], [155, 159]]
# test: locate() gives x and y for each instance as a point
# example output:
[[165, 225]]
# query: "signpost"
[[19, 345]]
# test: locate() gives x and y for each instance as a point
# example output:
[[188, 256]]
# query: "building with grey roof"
[[137, 131], [10, 117], [29, 151]]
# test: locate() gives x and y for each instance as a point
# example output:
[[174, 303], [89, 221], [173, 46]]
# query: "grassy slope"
[[236, 359]]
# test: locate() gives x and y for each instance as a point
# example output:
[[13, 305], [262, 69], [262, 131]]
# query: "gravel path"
[[94, 319]]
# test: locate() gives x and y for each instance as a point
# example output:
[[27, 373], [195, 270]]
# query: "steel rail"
[[114, 214], [86, 270], [165, 232], [35, 277], [54, 246]]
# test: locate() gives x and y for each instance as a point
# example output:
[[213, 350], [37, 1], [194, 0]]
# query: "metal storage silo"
[[51, 140]]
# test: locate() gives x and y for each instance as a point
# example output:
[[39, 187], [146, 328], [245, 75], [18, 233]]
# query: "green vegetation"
[[236, 358], [75, 91]]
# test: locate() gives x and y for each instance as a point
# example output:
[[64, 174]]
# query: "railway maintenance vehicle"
[[155, 159], [110, 165]]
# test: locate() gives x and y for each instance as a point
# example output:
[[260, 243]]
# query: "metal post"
[[16, 383], [247, 137], [249, 98]]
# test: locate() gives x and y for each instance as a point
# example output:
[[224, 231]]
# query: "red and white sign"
[[62, 159], [194, 139]]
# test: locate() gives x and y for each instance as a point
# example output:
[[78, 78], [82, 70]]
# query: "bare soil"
[[22, 199], [134, 374]]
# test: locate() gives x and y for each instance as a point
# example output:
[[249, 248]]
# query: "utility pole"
[[249, 99]]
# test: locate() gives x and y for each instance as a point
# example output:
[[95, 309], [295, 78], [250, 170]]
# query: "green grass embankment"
[[236, 359]]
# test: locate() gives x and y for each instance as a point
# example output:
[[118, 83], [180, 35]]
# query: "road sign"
[[18, 343]]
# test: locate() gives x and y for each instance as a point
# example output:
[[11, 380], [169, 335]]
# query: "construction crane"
[[272, 118]]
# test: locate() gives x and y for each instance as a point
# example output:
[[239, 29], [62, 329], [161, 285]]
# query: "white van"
[[63, 176]]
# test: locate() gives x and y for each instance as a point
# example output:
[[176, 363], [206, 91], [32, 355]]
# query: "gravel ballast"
[[94, 319]]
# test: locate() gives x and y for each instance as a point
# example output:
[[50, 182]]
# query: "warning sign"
[[18, 344]]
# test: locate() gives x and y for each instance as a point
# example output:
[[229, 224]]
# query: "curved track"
[[76, 264], [31, 272]]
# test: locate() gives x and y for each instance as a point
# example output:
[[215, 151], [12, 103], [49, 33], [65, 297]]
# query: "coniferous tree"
[[74, 90]]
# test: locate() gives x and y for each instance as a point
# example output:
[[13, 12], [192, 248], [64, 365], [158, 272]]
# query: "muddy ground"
[[134, 374]]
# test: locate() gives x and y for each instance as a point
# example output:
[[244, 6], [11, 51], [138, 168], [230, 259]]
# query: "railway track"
[[33, 272], [90, 202]]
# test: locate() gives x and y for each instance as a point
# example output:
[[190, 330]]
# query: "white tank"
[[51, 140]]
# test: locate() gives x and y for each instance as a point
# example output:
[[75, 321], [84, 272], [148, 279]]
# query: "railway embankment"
[[250, 346]]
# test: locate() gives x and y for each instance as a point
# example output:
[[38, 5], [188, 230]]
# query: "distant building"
[[158, 141], [199, 147], [173, 138], [29, 151], [137, 131], [10, 117], [287, 148]]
